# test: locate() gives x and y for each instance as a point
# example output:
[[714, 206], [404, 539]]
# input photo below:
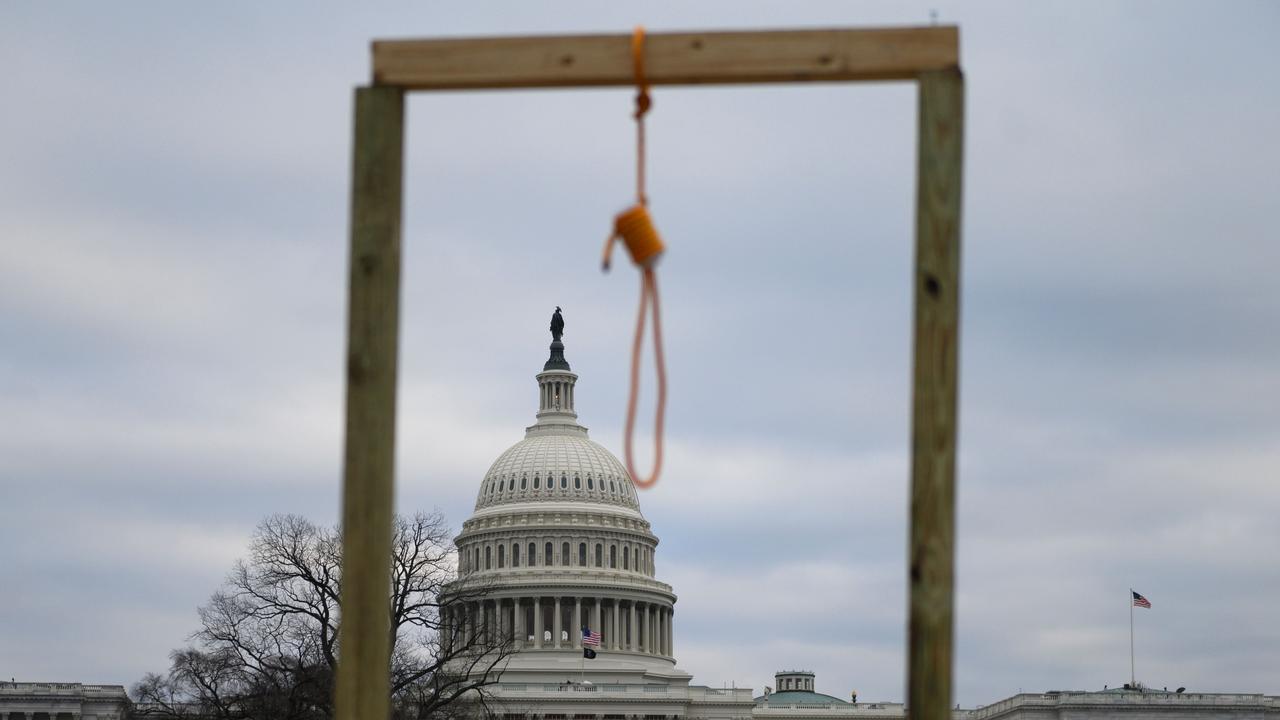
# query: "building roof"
[[800, 697]]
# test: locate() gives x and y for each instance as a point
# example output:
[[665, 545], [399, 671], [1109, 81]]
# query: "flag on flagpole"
[[1139, 601], [589, 640]]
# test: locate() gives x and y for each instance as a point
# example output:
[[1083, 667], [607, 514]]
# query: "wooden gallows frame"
[[927, 55]]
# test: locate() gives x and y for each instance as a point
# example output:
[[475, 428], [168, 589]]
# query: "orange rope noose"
[[635, 228]]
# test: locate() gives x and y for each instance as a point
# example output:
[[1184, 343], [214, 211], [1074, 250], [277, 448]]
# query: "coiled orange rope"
[[635, 228]]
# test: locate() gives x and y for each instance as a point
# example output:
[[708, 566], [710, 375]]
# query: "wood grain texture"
[[933, 425], [783, 56], [362, 689]]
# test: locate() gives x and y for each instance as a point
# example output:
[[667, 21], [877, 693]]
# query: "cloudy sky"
[[173, 215]]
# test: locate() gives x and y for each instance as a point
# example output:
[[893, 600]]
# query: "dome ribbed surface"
[[578, 470]]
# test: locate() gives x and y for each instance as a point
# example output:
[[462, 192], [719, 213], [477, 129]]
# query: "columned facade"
[[557, 545]]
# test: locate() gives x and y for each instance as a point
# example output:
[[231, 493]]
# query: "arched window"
[[488, 557], [502, 556], [515, 555], [577, 483], [564, 482], [613, 488], [613, 556], [535, 482], [546, 554], [591, 485], [626, 559], [564, 553], [501, 484], [533, 554], [582, 554], [599, 555], [635, 557], [524, 482]]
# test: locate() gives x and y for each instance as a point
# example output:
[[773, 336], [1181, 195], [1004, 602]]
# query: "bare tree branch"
[[267, 645]]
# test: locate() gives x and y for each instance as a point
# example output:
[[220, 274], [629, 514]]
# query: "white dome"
[[557, 468], [557, 544]]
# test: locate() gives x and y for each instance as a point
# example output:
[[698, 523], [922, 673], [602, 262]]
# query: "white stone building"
[[558, 542], [62, 701]]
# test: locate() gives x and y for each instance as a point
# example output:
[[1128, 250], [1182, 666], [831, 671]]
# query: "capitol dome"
[[557, 551], [557, 467]]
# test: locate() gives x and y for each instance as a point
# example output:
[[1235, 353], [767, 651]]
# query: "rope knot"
[[643, 103]]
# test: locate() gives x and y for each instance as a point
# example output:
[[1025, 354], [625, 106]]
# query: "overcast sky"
[[173, 217]]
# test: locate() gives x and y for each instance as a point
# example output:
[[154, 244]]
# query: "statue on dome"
[[557, 325]]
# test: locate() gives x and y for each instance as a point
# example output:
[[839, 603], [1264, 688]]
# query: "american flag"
[[1139, 601], [590, 638]]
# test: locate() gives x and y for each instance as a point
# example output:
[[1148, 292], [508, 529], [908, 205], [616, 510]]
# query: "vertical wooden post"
[[933, 423], [362, 689]]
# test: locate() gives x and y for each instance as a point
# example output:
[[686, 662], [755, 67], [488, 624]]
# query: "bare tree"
[[268, 642]]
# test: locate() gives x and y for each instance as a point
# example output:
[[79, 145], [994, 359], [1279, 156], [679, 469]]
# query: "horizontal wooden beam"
[[784, 56]]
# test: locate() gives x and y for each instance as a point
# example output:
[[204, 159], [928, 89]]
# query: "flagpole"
[[1133, 679]]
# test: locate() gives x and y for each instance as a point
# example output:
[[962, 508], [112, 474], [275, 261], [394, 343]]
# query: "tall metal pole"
[[1133, 678]]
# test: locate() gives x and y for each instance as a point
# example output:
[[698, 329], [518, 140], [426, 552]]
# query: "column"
[[613, 626], [537, 623], [632, 645], [660, 631], [555, 626], [517, 616], [597, 621], [639, 627], [446, 638], [659, 640], [649, 614], [575, 632], [671, 634]]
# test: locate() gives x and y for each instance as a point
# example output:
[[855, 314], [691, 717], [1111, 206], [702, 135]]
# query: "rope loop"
[[648, 298]]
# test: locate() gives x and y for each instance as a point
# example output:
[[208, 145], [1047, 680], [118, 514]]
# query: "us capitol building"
[[557, 543]]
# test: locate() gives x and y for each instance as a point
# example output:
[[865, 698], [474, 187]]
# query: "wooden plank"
[[784, 56], [933, 424], [362, 689]]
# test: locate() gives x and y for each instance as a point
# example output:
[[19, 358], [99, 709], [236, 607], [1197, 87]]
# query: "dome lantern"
[[556, 387]]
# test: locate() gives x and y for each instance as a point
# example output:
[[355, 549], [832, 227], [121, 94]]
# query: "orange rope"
[[643, 104], [635, 228], [648, 293]]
